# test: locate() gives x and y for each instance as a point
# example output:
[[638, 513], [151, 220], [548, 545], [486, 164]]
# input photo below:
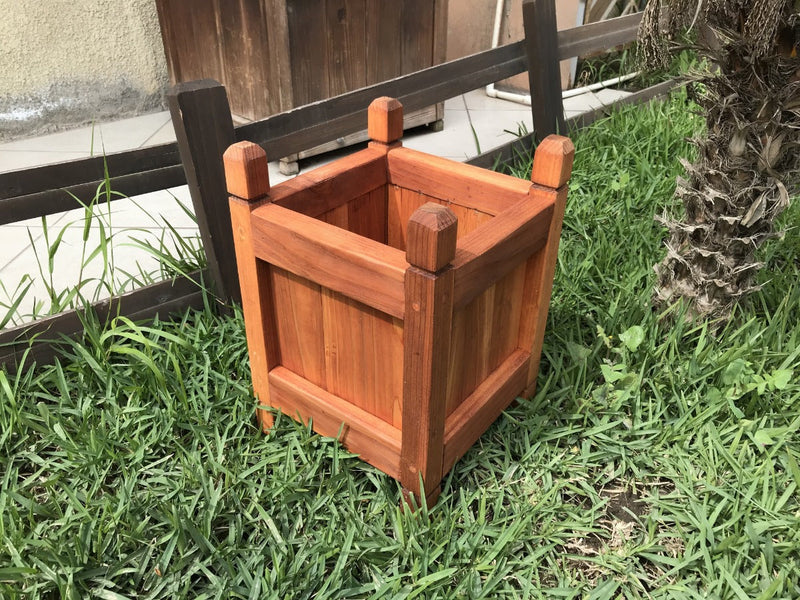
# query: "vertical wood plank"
[[428, 320], [544, 75], [417, 35], [363, 356], [345, 45], [507, 311], [204, 129], [309, 50], [366, 215], [246, 58], [298, 302], [280, 95], [384, 60], [338, 217]]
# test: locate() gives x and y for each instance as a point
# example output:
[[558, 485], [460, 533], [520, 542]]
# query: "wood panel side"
[[366, 215], [459, 183], [403, 202], [401, 205], [485, 333], [383, 38], [345, 21], [330, 186], [483, 406], [350, 264], [338, 217], [376, 441], [363, 356], [298, 306], [489, 253]]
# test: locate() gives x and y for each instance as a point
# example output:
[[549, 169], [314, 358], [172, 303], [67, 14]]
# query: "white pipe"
[[598, 86], [492, 92]]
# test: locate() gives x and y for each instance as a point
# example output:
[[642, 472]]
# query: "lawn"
[[658, 459]]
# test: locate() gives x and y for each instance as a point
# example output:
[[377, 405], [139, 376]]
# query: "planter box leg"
[[430, 249], [247, 175]]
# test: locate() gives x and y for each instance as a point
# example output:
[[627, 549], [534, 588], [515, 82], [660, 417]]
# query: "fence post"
[[247, 175], [430, 249], [203, 125], [544, 75]]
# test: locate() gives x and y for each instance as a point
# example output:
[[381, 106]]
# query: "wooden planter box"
[[396, 299]]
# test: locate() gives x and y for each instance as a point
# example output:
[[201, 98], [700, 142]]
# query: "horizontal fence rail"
[[39, 191], [49, 189]]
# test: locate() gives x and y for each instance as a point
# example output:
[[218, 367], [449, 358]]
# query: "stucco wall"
[[67, 62]]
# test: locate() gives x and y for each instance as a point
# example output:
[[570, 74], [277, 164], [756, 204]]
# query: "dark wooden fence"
[[204, 129]]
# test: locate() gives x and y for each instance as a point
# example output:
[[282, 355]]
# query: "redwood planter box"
[[396, 299]]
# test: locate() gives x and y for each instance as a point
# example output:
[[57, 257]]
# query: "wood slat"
[[300, 327], [363, 356], [51, 202], [357, 267], [489, 253], [484, 405], [461, 184], [330, 186], [376, 441], [595, 37], [319, 122], [24, 182], [204, 128], [144, 303]]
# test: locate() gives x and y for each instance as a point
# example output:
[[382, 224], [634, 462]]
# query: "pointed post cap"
[[385, 120], [431, 237], [246, 170], [552, 162]]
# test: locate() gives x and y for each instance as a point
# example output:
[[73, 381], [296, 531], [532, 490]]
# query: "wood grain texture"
[[385, 120], [432, 237], [428, 320], [246, 170], [447, 180], [403, 202], [366, 215], [594, 37], [38, 341], [355, 266], [363, 356], [299, 325], [376, 441], [204, 129], [345, 24], [489, 253], [280, 93], [257, 306], [332, 185], [484, 405], [552, 162]]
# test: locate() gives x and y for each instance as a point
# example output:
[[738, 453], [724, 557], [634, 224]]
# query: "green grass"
[[657, 459]]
